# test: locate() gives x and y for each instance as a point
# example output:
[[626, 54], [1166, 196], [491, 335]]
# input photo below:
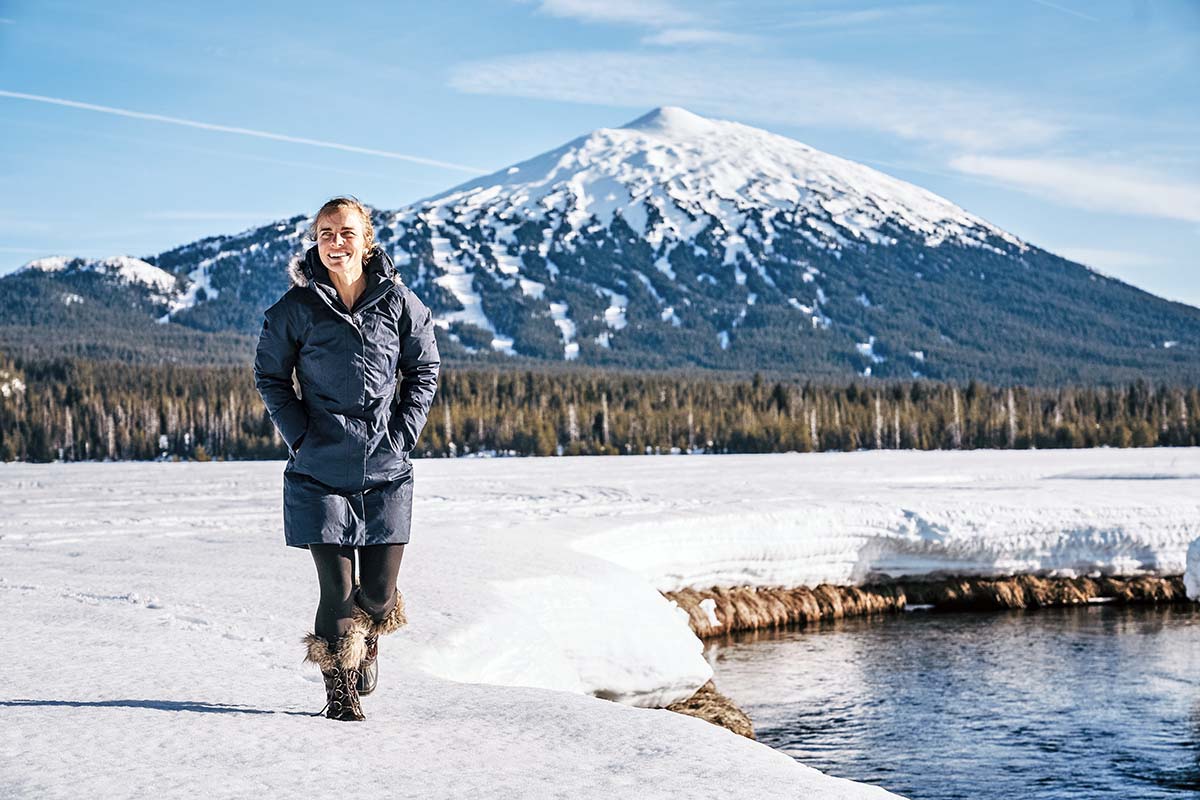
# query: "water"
[[1095, 702]]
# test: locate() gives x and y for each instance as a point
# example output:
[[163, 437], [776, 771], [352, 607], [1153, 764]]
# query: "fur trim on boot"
[[348, 652], [374, 628], [339, 664], [390, 623]]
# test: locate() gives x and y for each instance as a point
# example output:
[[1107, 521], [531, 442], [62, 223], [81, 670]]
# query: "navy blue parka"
[[366, 377]]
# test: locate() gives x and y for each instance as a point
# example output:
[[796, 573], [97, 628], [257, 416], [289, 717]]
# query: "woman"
[[366, 362]]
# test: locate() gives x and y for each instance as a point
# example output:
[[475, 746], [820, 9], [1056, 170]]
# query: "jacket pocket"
[[395, 428], [294, 447], [395, 435]]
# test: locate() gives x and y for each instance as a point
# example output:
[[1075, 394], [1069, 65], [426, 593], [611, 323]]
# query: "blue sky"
[[133, 127]]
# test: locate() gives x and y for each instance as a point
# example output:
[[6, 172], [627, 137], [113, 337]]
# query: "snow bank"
[[1191, 578], [610, 635], [845, 518]]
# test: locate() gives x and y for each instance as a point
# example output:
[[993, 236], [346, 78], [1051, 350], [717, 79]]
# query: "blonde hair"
[[347, 201]]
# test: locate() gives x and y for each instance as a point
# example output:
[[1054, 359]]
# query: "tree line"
[[77, 410]]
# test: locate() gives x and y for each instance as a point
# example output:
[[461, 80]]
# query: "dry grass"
[[711, 706], [750, 608]]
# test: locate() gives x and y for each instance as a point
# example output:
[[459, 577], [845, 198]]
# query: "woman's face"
[[340, 241]]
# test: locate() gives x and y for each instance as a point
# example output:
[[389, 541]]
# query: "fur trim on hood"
[[300, 272], [295, 271]]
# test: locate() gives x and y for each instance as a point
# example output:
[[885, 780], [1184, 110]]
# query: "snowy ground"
[[153, 615]]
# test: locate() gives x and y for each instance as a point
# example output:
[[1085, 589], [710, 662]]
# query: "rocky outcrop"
[[710, 705], [717, 611]]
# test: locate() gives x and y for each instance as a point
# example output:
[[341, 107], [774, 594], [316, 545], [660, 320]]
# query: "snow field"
[[153, 627], [155, 614]]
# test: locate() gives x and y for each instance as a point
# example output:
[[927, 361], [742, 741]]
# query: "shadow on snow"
[[160, 705]]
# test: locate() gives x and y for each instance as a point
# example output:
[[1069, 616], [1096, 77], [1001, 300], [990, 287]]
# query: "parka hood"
[[303, 270]]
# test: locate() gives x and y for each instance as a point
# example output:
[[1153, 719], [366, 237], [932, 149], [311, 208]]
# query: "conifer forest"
[[76, 410]]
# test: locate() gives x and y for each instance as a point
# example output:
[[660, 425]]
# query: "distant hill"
[[675, 241]]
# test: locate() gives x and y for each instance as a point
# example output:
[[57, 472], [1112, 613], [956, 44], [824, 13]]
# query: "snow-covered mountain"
[[121, 269], [672, 174], [723, 201], [682, 241]]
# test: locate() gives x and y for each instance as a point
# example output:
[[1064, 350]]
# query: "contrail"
[[208, 126], [1066, 10]]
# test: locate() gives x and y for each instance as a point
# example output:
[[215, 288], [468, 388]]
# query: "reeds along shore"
[[717, 611], [711, 706]]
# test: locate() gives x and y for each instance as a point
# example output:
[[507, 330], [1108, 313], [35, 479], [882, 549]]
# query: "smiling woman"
[[363, 351], [344, 232]]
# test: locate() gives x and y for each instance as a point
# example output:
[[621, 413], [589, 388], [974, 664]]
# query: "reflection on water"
[[1095, 702]]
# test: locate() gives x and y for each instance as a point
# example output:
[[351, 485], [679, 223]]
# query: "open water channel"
[[1093, 702]]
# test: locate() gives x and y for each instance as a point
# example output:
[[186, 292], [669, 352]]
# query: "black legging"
[[378, 566]]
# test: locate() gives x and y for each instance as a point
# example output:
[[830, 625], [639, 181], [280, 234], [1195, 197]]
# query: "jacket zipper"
[[354, 317]]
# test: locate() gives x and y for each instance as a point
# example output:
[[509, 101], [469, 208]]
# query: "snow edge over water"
[[1191, 578], [848, 546]]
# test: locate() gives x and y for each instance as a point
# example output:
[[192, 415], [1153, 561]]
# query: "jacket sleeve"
[[274, 360], [418, 365]]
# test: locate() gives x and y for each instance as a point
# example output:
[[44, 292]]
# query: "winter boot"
[[368, 675], [339, 664], [393, 620]]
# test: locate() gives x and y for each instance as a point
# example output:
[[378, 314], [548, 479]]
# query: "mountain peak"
[[672, 173], [672, 120], [125, 268]]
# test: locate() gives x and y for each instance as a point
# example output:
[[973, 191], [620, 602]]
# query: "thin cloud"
[[671, 24], [278, 137], [652, 13], [797, 92], [688, 36], [204, 216], [1066, 10], [857, 18], [1091, 186]]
